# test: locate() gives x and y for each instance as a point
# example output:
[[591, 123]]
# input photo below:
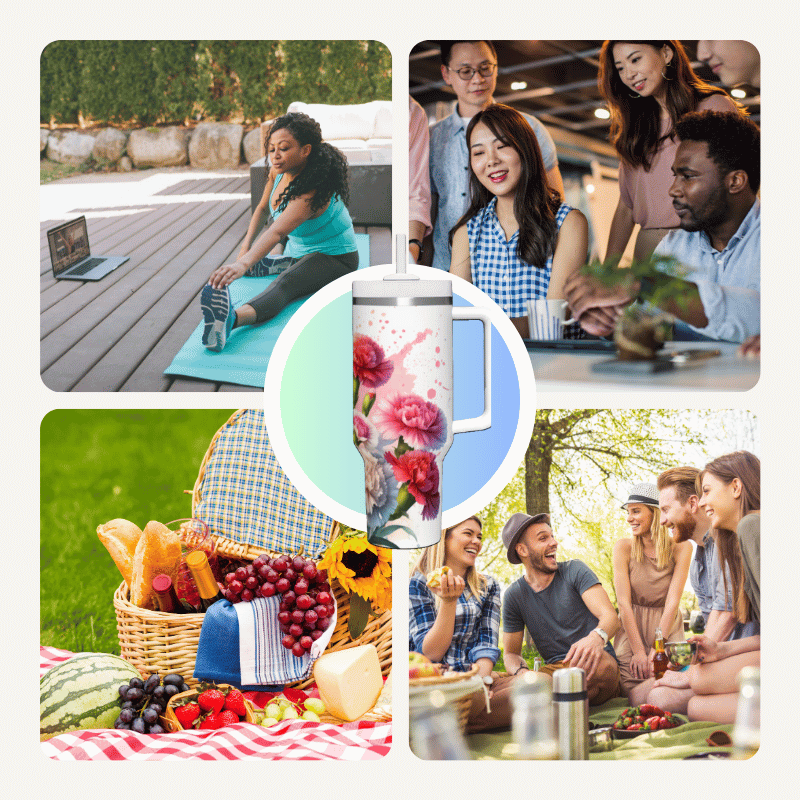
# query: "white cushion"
[[362, 121]]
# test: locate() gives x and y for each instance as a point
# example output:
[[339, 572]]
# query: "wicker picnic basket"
[[460, 705], [155, 642]]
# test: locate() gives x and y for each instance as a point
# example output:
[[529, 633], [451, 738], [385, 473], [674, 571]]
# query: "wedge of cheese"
[[349, 681]]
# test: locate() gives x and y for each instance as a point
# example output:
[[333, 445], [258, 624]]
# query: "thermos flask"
[[571, 705], [403, 400]]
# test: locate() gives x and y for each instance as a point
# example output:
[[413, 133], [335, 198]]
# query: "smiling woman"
[[517, 241]]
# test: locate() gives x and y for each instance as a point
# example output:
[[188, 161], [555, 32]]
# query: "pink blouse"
[[646, 193]]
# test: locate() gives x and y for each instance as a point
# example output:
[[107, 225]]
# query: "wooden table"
[[176, 225], [559, 370]]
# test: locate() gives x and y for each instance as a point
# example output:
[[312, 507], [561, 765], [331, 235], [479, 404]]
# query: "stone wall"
[[211, 145]]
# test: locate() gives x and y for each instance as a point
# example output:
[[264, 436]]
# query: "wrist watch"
[[602, 634]]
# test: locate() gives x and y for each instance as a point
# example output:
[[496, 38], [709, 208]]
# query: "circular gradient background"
[[308, 411]]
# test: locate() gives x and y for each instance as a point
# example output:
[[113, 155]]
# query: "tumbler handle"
[[484, 421]]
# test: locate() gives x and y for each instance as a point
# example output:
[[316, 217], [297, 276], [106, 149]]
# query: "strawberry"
[[635, 727], [227, 717], [212, 721], [235, 702], [211, 700], [667, 722], [187, 714], [649, 710], [653, 722]]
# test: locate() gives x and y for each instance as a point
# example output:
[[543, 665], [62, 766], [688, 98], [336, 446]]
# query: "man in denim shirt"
[[470, 68], [717, 173]]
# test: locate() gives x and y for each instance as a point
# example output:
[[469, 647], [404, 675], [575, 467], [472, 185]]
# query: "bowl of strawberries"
[[209, 706], [646, 718]]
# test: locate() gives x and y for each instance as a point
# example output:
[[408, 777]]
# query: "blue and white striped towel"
[[263, 660]]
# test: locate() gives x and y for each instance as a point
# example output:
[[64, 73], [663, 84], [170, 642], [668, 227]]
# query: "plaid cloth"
[[247, 497], [292, 740], [497, 268], [477, 625]]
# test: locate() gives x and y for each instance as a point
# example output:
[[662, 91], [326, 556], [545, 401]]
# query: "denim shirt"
[[700, 575], [729, 281], [449, 157]]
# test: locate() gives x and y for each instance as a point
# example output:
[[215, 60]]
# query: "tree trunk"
[[538, 460]]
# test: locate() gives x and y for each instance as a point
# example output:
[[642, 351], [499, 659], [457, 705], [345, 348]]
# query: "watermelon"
[[82, 693]]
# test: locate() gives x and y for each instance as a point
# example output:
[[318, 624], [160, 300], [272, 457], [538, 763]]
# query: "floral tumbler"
[[403, 400]]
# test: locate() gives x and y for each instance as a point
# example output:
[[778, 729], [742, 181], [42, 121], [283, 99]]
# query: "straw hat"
[[645, 494]]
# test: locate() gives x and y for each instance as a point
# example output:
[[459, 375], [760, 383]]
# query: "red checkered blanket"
[[293, 740]]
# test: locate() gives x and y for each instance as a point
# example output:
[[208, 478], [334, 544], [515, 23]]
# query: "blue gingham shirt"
[[729, 281], [449, 163], [496, 266], [477, 626]]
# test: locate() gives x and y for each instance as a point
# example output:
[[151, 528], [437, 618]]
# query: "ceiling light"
[[740, 93], [602, 113], [517, 86]]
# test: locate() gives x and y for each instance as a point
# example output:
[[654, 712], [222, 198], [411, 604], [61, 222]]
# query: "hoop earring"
[[665, 77], [634, 96]]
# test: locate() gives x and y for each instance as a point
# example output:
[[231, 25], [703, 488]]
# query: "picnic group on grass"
[[485, 185], [570, 617]]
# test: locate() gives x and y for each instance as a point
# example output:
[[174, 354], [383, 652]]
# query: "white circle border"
[[336, 289]]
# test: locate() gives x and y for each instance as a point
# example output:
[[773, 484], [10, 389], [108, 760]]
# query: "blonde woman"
[[650, 572], [454, 617]]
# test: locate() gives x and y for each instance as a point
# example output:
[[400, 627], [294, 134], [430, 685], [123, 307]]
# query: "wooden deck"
[[122, 332]]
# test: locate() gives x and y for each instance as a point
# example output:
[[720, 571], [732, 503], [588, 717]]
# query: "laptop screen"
[[69, 244]]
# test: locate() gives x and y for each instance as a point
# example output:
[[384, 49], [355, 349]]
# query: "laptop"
[[585, 345], [70, 256]]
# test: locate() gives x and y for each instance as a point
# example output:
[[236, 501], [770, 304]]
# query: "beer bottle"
[[204, 579], [747, 730], [660, 659]]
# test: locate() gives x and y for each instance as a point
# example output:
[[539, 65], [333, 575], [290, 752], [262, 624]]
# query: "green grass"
[[53, 171], [97, 466], [528, 653]]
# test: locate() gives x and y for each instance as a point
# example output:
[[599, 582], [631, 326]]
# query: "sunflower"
[[360, 567]]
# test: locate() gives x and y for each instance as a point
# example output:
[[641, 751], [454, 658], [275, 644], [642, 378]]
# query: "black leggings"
[[304, 277]]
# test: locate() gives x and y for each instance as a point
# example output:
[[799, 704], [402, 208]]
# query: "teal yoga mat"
[[246, 355]]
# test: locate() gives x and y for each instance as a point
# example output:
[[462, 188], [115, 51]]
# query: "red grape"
[[236, 586], [284, 628], [323, 598], [298, 562], [306, 642], [290, 575], [271, 575], [322, 623], [251, 583], [260, 561], [310, 572], [268, 589], [316, 633], [304, 602], [322, 576], [241, 574], [311, 617], [298, 650], [288, 641], [230, 578], [247, 595], [289, 597], [282, 585], [284, 617], [322, 611], [296, 630], [280, 564], [298, 616], [301, 586]]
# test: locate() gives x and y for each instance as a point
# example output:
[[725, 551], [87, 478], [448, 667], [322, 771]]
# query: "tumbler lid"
[[401, 284], [569, 681]]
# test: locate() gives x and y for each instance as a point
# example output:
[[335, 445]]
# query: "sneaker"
[[217, 315], [269, 266]]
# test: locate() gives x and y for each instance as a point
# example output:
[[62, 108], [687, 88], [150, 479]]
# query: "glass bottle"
[[204, 579], [532, 718], [747, 728], [166, 598], [660, 659]]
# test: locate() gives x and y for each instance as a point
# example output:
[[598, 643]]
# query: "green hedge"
[[147, 82]]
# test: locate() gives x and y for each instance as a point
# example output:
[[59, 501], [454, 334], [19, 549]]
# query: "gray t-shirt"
[[556, 617]]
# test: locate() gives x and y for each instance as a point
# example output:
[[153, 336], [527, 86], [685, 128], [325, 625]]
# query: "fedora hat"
[[514, 528], [645, 494]]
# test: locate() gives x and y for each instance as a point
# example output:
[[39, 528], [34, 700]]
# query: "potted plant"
[[643, 327]]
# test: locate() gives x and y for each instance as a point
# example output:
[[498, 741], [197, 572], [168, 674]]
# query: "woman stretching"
[[307, 195], [649, 86], [454, 618], [730, 492], [517, 241], [650, 572]]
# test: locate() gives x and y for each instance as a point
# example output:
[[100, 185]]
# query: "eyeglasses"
[[466, 73]]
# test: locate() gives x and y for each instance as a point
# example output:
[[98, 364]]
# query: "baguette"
[[158, 551], [120, 538]]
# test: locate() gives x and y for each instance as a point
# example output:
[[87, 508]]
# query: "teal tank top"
[[331, 232]]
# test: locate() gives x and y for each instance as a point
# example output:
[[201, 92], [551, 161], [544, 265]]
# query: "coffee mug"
[[547, 318]]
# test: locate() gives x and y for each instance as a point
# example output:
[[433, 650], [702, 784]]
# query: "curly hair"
[[325, 172], [636, 121], [734, 141], [535, 202]]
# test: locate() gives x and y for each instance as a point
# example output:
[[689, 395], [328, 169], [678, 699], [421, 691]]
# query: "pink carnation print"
[[420, 422], [418, 468], [370, 364], [364, 430]]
